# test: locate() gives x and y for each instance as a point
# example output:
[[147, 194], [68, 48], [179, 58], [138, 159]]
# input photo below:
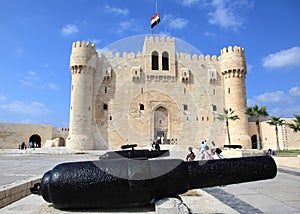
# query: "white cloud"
[[69, 29], [114, 10], [129, 25], [285, 112], [31, 108], [95, 41], [29, 79], [53, 86], [279, 103], [189, 2], [209, 34], [295, 91], [249, 67], [224, 14], [283, 59], [178, 23], [273, 97], [175, 23], [2, 98]]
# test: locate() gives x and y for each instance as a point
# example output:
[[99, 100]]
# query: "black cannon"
[[233, 146], [134, 153], [128, 182]]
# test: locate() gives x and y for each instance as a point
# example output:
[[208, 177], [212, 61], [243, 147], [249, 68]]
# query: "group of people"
[[30, 146], [205, 152]]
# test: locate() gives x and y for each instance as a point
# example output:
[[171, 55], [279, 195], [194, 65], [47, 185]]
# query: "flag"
[[155, 20]]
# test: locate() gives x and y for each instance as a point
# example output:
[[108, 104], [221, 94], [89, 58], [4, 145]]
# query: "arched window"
[[165, 61], [154, 60], [142, 107], [105, 107]]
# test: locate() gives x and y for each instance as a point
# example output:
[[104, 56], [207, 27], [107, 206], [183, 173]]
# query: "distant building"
[[13, 135]]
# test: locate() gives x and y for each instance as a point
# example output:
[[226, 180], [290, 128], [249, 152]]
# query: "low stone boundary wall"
[[13, 192]]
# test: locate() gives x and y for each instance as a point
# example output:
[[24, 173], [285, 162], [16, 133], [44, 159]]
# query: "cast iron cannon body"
[[127, 182]]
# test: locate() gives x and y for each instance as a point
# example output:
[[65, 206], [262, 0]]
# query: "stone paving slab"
[[34, 204], [279, 195]]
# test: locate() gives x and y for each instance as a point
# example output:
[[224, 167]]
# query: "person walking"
[[218, 154]]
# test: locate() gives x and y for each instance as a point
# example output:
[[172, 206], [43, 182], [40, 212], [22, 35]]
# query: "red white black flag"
[[155, 20]]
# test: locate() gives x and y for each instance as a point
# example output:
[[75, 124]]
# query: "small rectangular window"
[[214, 108], [185, 107]]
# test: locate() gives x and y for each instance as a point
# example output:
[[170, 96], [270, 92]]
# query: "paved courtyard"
[[279, 195]]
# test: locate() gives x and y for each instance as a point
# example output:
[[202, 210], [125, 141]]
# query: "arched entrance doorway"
[[161, 123], [61, 142], [36, 140], [254, 141]]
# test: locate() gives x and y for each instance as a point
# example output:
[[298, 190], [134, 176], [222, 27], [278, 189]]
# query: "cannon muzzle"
[[128, 182]]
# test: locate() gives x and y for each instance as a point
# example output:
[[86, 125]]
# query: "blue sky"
[[37, 35]]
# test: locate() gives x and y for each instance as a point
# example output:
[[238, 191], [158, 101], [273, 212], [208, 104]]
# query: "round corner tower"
[[234, 70], [83, 64]]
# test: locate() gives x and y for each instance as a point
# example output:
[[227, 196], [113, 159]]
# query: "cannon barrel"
[[127, 182]]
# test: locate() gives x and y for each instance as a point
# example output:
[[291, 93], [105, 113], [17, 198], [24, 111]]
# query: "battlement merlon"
[[233, 59], [236, 50], [83, 54]]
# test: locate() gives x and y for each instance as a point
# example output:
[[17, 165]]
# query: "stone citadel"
[[157, 92], [162, 88]]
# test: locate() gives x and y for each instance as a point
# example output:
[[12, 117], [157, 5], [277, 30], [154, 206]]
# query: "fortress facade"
[[157, 92], [163, 88]]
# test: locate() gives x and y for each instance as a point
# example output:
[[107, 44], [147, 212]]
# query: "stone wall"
[[11, 135]]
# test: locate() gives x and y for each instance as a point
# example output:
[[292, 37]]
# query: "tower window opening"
[[105, 89], [110, 117], [214, 91], [165, 61], [105, 107], [154, 56], [214, 108], [185, 107], [142, 107], [228, 90], [142, 90], [184, 90]]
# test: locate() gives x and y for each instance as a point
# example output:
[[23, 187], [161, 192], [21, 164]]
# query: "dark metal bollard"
[[126, 182]]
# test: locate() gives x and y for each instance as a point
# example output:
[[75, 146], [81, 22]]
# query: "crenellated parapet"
[[159, 40], [83, 55], [195, 57], [233, 62], [235, 50]]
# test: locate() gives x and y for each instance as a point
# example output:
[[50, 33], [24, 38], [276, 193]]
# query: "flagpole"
[[156, 25]]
